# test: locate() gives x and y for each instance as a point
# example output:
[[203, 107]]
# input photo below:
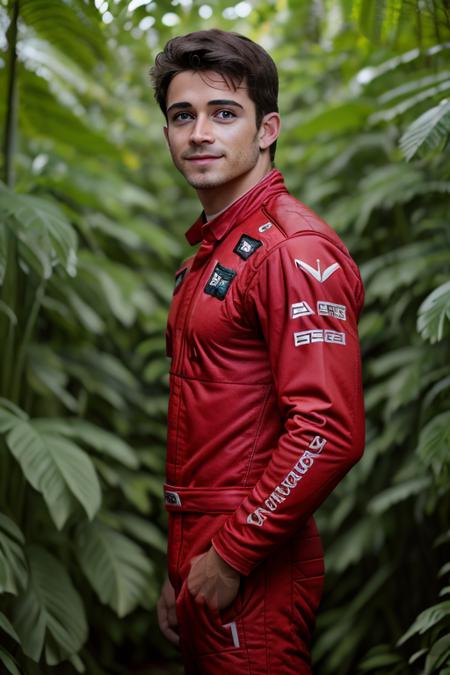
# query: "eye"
[[182, 117], [225, 115]]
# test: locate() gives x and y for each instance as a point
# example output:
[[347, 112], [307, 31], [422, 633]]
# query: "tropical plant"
[[83, 369]]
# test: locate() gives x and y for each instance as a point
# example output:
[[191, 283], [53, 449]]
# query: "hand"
[[167, 618], [212, 580]]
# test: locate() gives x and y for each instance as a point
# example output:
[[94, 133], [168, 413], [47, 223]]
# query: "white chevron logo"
[[316, 272]]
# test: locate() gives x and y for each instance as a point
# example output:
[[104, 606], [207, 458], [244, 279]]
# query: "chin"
[[203, 182]]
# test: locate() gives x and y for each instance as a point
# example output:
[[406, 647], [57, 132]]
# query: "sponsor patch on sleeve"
[[316, 272], [332, 309], [299, 309], [307, 337], [246, 246], [219, 282]]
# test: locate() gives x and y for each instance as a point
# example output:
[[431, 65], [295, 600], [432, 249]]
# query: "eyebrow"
[[184, 105]]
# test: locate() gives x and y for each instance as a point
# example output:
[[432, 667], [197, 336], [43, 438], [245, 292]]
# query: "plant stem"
[[7, 327], [20, 360], [9, 140]]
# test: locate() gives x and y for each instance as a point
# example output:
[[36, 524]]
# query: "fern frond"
[[427, 131]]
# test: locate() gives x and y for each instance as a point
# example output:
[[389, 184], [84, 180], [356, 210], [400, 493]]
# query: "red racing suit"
[[265, 418]]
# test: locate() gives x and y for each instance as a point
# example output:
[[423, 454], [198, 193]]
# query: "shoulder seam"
[[303, 233]]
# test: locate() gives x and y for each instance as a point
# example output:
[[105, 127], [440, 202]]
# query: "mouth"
[[203, 159]]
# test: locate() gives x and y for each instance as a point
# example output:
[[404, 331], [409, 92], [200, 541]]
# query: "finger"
[[196, 557], [169, 633], [200, 599], [172, 618], [163, 620], [173, 637], [194, 582]]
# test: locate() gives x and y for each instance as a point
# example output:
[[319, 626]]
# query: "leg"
[[268, 629]]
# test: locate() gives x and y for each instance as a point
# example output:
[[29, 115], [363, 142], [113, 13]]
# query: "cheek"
[[175, 143]]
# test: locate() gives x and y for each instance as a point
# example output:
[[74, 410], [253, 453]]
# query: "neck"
[[215, 200]]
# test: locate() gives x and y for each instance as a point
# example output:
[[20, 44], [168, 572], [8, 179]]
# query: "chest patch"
[[246, 246], [179, 278], [219, 281]]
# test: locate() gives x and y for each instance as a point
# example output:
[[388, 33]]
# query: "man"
[[265, 412]]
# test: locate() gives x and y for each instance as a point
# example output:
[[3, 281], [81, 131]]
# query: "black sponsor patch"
[[219, 281], [172, 498], [246, 246], [179, 278]]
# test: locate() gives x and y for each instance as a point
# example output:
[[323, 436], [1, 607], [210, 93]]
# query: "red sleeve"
[[306, 296]]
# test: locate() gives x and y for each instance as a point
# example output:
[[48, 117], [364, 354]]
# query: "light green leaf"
[[407, 104], [46, 374], [427, 131], [413, 85], [434, 314], [93, 436], [42, 230], [78, 36], [9, 662], [417, 655], [12, 407], [77, 663], [338, 119], [143, 530], [50, 614], [352, 545], [8, 420], [434, 440], [371, 17], [380, 661], [398, 493], [90, 319], [116, 567], [445, 569], [439, 653], [117, 283], [8, 628], [58, 469], [426, 620], [3, 251], [13, 568]]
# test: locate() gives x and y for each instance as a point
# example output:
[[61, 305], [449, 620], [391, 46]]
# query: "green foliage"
[[434, 314], [49, 616], [116, 567], [90, 235], [427, 131], [13, 567]]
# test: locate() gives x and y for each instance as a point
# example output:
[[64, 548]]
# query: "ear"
[[166, 133], [269, 130]]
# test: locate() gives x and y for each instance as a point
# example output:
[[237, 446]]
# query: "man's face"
[[212, 132]]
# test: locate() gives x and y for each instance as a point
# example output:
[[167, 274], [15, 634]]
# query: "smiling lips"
[[202, 159]]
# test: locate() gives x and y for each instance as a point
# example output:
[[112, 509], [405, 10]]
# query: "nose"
[[202, 131]]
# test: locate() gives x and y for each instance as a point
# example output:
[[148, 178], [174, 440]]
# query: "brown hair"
[[234, 56]]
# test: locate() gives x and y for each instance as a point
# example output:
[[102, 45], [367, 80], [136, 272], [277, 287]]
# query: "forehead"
[[199, 87]]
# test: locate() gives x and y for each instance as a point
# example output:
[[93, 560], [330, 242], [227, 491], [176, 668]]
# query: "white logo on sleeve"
[[332, 309], [307, 337], [316, 272], [301, 309], [282, 491]]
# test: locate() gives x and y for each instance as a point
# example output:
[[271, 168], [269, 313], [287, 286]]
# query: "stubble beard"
[[213, 177]]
